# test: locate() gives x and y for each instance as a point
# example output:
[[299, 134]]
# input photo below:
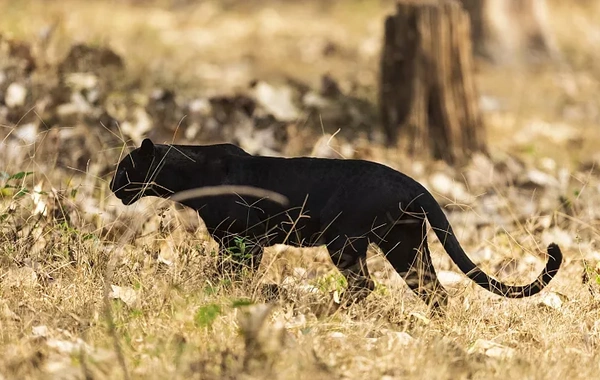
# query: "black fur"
[[345, 204]]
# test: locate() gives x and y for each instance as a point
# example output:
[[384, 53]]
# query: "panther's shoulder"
[[213, 150], [231, 149]]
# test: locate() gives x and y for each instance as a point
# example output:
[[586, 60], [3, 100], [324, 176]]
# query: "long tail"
[[440, 224]]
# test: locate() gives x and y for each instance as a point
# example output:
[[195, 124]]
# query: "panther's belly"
[[297, 227]]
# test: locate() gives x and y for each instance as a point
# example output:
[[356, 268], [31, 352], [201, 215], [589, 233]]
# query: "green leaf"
[[19, 175], [209, 289], [206, 315], [136, 313], [21, 193], [240, 302], [89, 237]]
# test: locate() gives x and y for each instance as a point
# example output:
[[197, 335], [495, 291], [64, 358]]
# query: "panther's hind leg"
[[349, 255], [405, 247]]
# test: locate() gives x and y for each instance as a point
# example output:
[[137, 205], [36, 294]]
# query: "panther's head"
[[137, 173]]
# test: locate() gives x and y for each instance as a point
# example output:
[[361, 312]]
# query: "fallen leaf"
[[491, 349], [125, 294], [337, 335], [400, 338], [451, 278], [41, 208], [277, 101], [296, 322], [418, 317], [15, 96], [446, 185], [552, 300], [41, 330], [7, 313], [24, 277], [167, 253]]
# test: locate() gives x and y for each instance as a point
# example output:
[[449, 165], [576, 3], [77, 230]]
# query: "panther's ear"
[[147, 148]]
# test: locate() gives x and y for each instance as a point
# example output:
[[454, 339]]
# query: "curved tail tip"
[[554, 248], [554, 254]]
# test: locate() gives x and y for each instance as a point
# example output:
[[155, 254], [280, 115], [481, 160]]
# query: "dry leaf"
[[337, 335], [15, 95], [491, 349], [41, 330], [7, 313], [418, 317], [451, 278], [125, 294], [41, 208], [552, 300], [277, 101], [24, 277], [167, 253]]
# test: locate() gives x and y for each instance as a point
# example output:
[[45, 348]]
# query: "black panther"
[[344, 204]]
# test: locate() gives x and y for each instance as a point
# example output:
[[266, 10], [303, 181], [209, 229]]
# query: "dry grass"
[[175, 317]]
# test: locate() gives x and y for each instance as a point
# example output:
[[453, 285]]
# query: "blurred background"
[[276, 76], [82, 82]]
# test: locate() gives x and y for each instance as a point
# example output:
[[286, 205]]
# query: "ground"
[[90, 288]]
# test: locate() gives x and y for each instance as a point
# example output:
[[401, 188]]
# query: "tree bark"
[[428, 99]]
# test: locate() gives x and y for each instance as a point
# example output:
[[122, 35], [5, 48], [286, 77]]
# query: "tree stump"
[[428, 100]]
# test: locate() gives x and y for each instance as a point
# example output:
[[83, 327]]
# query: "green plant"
[[239, 252], [206, 315], [12, 187], [331, 282]]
